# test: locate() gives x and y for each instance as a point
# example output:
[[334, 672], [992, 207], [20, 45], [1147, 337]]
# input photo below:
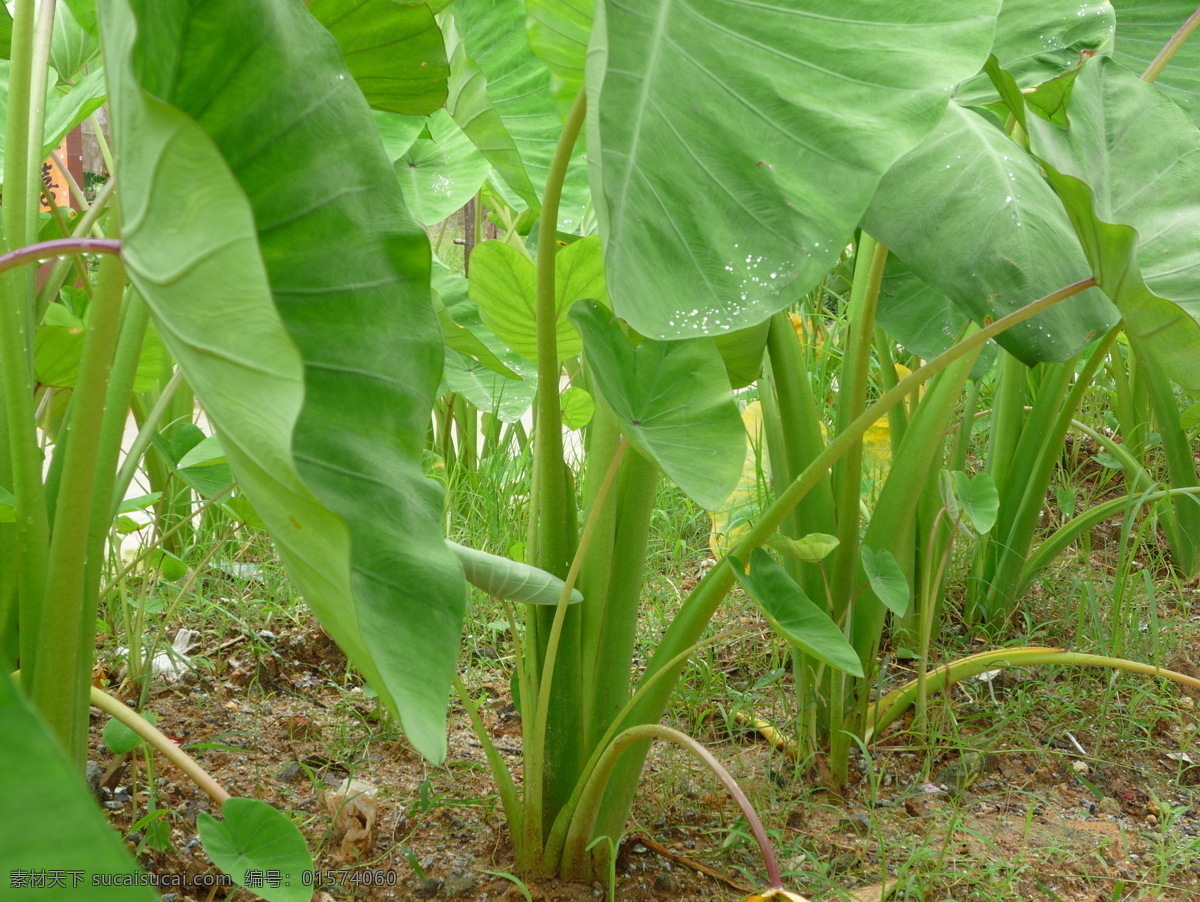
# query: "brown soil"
[[284, 723]]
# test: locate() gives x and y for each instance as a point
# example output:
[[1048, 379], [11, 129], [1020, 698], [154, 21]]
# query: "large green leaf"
[[51, 821], [302, 321], [1143, 29], [394, 51], [969, 212], [518, 87], [440, 173], [558, 32], [1132, 200], [735, 146], [793, 614], [504, 283], [1037, 40], [673, 400]]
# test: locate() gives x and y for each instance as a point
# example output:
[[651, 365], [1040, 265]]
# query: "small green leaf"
[[501, 578], [139, 503], [169, 565], [577, 408], [8, 506], [256, 837], [811, 549], [887, 579], [241, 508], [120, 739], [126, 525], [1189, 417], [793, 614], [979, 499]]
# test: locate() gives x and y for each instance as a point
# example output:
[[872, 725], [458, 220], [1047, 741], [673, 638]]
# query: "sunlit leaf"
[[730, 176]]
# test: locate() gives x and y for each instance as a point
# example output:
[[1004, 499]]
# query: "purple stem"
[[60, 247]]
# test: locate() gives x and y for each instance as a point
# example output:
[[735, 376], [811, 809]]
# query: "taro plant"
[[733, 154]]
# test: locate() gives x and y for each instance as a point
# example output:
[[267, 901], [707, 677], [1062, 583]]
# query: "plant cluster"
[[842, 273]]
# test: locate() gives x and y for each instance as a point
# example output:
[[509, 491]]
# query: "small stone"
[[458, 882], [665, 883], [1080, 767], [93, 780], [1109, 805], [290, 773], [1151, 819], [429, 888]]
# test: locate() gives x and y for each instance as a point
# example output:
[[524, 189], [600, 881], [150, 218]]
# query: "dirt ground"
[[274, 716]]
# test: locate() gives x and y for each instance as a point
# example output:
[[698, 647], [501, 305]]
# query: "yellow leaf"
[[733, 519]]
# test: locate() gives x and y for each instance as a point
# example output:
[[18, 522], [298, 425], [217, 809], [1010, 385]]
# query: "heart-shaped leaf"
[[254, 837], [1132, 202], [440, 173], [979, 499], [811, 549], [886, 578]]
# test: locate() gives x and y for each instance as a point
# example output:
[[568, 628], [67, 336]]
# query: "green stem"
[[62, 674], [562, 824], [160, 742], [1172, 46], [578, 840], [500, 772], [32, 532], [553, 526], [39, 77], [535, 753], [555, 535], [892, 706], [852, 400]]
